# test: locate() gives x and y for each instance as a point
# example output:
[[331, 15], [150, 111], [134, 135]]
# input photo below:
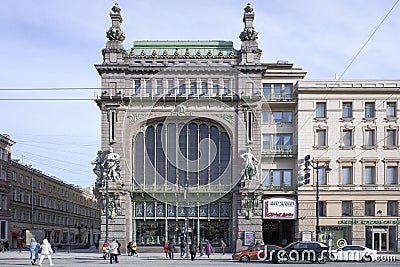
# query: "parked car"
[[256, 253], [354, 253], [303, 251]]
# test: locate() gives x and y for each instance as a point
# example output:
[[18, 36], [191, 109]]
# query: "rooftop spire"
[[115, 33], [114, 51], [250, 53]]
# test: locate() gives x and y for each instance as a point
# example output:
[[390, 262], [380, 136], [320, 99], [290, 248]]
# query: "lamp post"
[[186, 192], [315, 166]]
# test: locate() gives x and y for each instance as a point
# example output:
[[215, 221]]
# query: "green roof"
[[183, 46]]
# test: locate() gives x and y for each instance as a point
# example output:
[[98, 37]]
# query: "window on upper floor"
[[391, 110], [391, 138], [278, 91], [347, 208], [369, 208], [226, 87], [137, 86], [369, 137], [322, 208], [320, 138], [203, 87], [277, 142], [322, 176], [277, 178], [21, 178], [277, 116], [148, 87], [347, 175], [320, 110], [369, 175], [392, 174], [347, 137], [392, 208], [347, 110], [369, 110], [159, 84], [215, 87]]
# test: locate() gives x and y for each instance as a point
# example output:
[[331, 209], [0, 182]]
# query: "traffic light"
[[307, 165]]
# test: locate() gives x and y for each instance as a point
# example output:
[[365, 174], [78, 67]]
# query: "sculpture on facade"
[[250, 166], [112, 165], [107, 167], [98, 166]]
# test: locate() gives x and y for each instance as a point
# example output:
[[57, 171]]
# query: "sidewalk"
[[94, 254]]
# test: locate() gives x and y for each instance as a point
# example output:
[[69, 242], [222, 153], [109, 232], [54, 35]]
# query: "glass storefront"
[[156, 233], [381, 238], [331, 234]]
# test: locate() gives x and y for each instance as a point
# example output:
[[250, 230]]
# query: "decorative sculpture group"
[[107, 168]]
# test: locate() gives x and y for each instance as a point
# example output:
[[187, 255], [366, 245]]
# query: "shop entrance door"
[[380, 239]]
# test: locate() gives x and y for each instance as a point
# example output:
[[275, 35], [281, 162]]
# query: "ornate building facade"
[[208, 142]]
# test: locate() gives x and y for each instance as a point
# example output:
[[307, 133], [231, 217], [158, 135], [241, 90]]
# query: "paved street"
[[90, 258]]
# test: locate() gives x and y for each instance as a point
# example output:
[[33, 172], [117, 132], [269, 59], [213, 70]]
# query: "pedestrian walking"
[[129, 248], [6, 245], [119, 247], [208, 249], [182, 246], [134, 248], [201, 248], [106, 250], [34, 248], [193, 251], [113, 247], [171, 248], [166, 250], [45, 250], [223, 245]]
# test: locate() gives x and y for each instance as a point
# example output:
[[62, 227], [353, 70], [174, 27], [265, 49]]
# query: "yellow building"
[[44, 206]]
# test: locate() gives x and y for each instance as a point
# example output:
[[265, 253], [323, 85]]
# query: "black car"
[[303, 251]]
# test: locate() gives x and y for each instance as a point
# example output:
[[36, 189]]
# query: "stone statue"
[[250, 166], [112, 207], [97, 166], [111, 163]]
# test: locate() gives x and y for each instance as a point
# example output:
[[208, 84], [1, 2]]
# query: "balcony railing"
[[284, 188], [283, 151], [280, 97]]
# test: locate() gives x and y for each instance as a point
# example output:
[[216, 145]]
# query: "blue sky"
[[54, 44]]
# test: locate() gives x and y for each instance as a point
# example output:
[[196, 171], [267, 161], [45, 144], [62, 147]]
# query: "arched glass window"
[[139, 159], [193, 154]]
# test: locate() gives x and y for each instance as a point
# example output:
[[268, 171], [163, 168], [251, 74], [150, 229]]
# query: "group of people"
[[112, 250], [169, 249], [44, 249]]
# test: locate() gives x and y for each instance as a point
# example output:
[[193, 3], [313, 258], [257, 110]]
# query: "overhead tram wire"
[[354, 58]]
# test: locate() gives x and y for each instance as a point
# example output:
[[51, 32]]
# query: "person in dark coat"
[[171, 248], [193, 251], [182, 246], [119, 247], [129, 248]]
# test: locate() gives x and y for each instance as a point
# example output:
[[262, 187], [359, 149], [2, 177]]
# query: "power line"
[[47, 99]]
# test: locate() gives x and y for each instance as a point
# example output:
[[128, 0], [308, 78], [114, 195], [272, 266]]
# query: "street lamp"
[[315, 165]]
